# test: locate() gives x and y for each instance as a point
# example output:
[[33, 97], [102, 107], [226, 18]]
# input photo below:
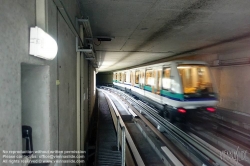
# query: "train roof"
[[167, 63]]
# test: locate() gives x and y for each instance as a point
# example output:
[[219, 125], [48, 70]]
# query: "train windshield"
[[196, 79]]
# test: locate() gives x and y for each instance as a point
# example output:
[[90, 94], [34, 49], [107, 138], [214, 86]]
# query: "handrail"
[[123, 146], [118, 126], [118, 133]]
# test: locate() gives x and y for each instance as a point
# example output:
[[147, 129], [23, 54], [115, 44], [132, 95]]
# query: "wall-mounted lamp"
[[42, 45]]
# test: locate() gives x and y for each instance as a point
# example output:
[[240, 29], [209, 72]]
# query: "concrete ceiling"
[[148, 30]]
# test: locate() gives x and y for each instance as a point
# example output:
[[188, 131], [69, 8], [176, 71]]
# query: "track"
[[186, 144], [229, 139]]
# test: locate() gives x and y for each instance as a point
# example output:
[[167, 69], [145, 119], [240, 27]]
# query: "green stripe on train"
[[148, 88], [172, 95], [137, 85]]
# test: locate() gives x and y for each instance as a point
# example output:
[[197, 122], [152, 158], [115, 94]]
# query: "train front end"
[[198, 89]]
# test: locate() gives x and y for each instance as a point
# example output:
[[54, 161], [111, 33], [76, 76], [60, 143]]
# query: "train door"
[[120, 77], [132, 80], [158, 81], [142, 79], [154, 86], [137, 78], [149, 80], [116, 77], [124, 77], [128, 81], [166, 81]]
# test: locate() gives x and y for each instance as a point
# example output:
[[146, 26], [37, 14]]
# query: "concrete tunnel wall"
[[16, 19], [104, 78], [35, 103]]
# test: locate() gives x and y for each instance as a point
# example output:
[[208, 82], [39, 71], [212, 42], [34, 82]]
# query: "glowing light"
[[42, 45], [183, 67], [210, 109], [181, 110]]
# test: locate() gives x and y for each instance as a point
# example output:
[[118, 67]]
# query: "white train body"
[[180, 86]]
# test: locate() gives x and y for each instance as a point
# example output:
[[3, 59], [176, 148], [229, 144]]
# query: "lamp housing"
[[42, 45]]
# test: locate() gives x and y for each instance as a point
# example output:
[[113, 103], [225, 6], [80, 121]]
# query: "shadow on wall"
[[104, 78], [35, 103]]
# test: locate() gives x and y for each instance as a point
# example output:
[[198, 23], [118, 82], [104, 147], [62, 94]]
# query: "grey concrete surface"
[[145, 31], [85, 100], [35, 103], [59, 117], [67, 87], [53, 114], [14, 46], [92, 89]]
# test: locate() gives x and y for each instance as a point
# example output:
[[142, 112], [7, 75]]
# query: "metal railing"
[[207, 154], [123, 136]]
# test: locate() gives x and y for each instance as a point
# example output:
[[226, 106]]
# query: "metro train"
[[176, 88]]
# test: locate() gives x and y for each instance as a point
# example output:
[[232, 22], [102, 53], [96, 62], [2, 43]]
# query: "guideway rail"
[[168, 143], [122, 136], [207, 154]]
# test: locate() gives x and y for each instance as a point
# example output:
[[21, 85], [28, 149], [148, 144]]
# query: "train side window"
[[137, 74], [166, 80], [149, 78]]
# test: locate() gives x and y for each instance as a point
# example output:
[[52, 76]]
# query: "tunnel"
[[124, 82]]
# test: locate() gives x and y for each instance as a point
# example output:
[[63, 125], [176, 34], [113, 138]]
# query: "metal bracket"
[[87, 27], [88, 52]]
